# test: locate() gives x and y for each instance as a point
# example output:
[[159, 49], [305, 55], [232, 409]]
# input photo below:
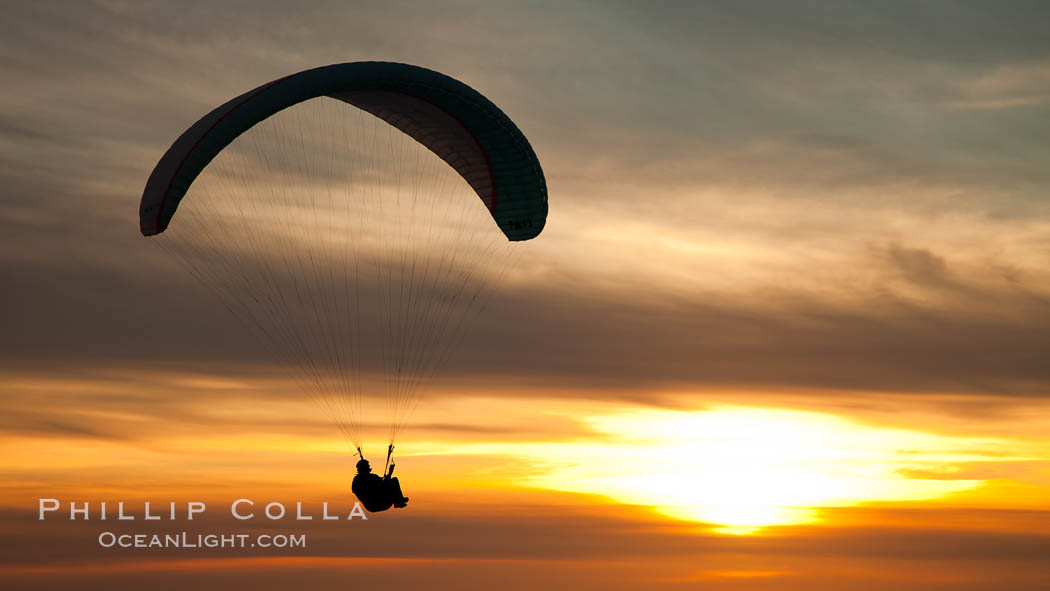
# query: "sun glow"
[[745, 468]]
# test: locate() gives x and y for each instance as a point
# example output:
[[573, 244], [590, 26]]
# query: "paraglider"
[[315, 208], [375, 493]]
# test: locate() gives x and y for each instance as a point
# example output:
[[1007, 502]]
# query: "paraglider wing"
[[449, 118], [316, 210]]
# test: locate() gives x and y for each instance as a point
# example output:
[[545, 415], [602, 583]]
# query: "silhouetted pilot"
[[375, 493]]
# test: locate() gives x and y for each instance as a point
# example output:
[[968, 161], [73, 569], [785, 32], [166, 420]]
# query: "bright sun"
[[748, 468]]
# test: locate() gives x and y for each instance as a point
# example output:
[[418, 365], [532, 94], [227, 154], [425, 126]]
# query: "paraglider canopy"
[[357, 256], [448, 117]]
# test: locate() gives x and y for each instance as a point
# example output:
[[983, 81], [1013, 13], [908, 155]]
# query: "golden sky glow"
[[736, 468], [724, 469]]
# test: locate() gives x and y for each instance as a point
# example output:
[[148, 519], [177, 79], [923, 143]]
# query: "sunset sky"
[[787, 326]]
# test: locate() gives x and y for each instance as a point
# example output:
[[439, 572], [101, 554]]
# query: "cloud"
[[735, 203], [469, 543], [1009, 86]]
